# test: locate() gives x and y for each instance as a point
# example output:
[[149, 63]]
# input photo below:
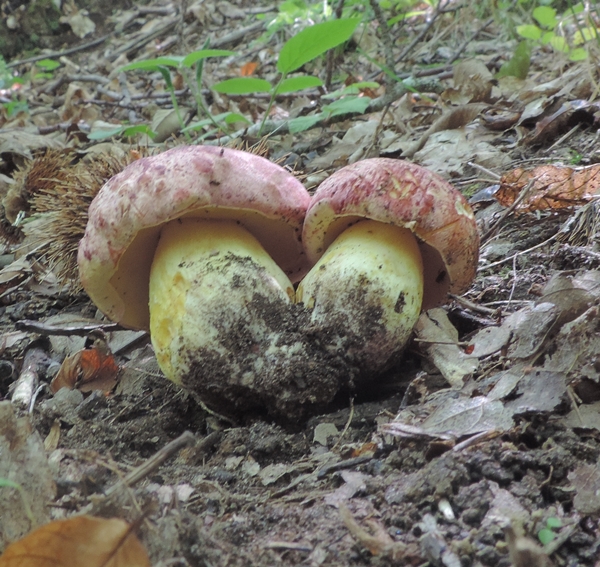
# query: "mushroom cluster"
[[202, 247]]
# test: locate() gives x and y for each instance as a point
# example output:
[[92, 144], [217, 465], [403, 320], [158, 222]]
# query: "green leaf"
[[546, 536], [153, 64], [406, 16], [584, 34], [349, 105], [166, 75], [304, 123], [227, 117], [560, 44], [102, 133], [529, 32], [518, 65], [190, 59], [312, 42], [545, 16], [352, 89], [131, 131], [576, 9], [579, 54], [547, 37], [554, 522], [234, 117], [294, 84], [120, 130], [243, 85], [48, 64]]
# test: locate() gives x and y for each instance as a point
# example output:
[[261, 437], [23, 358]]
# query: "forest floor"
[[480, 449]]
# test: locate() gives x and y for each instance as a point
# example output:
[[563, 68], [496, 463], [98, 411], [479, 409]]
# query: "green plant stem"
[[270, 105]]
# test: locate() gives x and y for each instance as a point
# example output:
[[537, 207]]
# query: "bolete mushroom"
[[389, 239], [199, 245]]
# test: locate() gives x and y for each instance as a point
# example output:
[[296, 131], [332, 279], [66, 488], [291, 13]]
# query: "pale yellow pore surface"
[[202, 277], [369, 265]]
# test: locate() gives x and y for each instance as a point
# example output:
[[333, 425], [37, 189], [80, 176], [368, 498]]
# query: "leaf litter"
[[490, 421]]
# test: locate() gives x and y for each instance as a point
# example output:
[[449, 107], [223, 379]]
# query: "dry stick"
[[137, 474], [473, 306], [524, 192], [470, 39], [485, 170], [65, 331], [521, 253], [423, 33], [35, 362], [151, 464], [346, 427], [388, 44], [55, 54], [139, 42]]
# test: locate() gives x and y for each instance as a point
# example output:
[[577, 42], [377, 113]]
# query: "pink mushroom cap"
[[125, 219], [407, 195]]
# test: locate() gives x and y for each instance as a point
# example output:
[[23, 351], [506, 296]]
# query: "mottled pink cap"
[[406, 195], [126, 216]]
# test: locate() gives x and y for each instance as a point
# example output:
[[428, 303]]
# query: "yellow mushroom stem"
[[366, 291], [207, 282]]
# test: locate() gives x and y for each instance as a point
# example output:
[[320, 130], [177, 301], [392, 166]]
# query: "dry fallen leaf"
[[89, 369], [82, 541], [439, 339], [585, 480], [549, 187]]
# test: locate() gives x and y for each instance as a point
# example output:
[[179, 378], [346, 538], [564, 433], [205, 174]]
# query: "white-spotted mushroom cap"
[[126, 216], [404, 194]]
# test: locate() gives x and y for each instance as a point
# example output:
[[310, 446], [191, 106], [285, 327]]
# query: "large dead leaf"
[[82, 541], [468, 416], [539, 391], [439, 339], [549, 187], [472, 83], [586, 482]]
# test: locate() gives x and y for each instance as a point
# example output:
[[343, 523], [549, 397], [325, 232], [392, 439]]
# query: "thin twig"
[[151, 464], [494, 226], [439, 10], [521, 253], [386, 38], [463, 46], [346, 427], [65, 330], [56, 54]]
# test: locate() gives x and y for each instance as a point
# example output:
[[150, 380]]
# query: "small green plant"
[[548, 533], [9, 85], [576, 157], [302, 48], [292, 11], [47, 67], [549, 26], [123, 131], [184, 65]]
